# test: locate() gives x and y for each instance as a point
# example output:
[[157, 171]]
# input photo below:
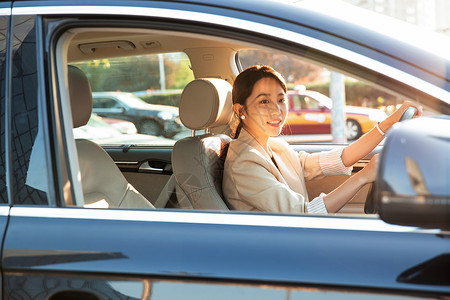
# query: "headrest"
[[80, 96], [206, 103]]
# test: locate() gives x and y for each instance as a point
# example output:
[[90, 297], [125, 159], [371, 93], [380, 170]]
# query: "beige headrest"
[[80, 96], [206, 103]]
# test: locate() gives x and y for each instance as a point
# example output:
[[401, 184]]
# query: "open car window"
[[136, 93]]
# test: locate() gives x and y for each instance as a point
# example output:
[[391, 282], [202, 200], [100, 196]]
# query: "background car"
[[121, 125], [108, 131], [310, 113], [149, 118]]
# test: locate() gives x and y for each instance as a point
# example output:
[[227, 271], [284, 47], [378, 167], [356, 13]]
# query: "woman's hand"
[[395, 117], [369, 172]]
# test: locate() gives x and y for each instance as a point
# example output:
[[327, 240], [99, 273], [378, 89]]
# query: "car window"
[[148, 88], [100, 102], [136, 98], [310, 103]]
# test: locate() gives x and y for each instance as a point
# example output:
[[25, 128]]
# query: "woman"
[[264, 174]]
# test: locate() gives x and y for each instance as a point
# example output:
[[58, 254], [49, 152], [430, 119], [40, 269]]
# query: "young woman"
[[264, 174]]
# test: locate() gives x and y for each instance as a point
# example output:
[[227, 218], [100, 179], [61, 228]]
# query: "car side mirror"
[[414, 174]]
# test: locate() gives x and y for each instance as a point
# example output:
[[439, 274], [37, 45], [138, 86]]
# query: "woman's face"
[[266, 109]]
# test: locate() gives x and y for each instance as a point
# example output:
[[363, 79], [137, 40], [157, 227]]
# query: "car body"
[[114, 131], [310, 113], [55, 248], [150, 119], [121, 125]]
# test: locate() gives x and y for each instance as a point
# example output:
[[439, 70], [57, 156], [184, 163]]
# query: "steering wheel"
[[370, 206]]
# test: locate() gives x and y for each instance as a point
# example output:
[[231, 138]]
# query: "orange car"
[[310, 113]]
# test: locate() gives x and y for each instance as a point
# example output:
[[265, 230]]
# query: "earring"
[[242, 117]]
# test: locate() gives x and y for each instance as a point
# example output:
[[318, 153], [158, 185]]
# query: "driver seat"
[[197, 161]]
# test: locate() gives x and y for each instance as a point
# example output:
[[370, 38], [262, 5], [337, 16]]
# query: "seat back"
[[197, 161], [102, 182]]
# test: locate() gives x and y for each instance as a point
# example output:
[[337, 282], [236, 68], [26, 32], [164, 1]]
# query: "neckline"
[[269, 153]]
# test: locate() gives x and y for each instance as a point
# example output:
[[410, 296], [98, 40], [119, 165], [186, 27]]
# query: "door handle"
[[156, 167]]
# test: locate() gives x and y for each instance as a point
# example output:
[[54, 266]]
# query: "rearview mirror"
[[413, 182]]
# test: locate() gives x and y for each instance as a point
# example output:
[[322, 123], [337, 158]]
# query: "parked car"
[[137, 242], [310, 113], [108, 131], [150, 119], [121, 125]]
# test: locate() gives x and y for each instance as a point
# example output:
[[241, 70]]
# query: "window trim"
[[236, 218]]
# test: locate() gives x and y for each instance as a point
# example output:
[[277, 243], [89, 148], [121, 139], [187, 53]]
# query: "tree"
[[130, 74], [295, 71]]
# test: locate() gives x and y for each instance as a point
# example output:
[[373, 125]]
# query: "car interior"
[[186, 175]]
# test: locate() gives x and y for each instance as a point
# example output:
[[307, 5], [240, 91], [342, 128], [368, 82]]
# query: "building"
[[430, 14]]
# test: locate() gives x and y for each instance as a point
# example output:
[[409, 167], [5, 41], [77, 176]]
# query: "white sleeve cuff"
[[331, 163], [316, 206]]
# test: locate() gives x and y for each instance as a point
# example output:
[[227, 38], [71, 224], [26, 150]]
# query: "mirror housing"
[[413, 182]]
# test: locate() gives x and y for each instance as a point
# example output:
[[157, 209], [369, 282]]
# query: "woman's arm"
[[365, 144], [336, 199]]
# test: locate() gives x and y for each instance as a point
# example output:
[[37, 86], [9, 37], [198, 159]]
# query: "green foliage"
[[137, 73], [293, 70]]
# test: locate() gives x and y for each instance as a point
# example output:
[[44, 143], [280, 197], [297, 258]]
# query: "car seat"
[[102, 182], [197, 161]]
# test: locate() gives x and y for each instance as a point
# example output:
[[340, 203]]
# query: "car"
[[121, 125], [152, 119], [86, 220], [114, 132], [310, 113]]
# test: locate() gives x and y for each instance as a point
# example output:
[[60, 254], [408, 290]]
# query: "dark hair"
[[245, 81]]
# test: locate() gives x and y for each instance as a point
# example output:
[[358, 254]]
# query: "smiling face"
[[265, 110]]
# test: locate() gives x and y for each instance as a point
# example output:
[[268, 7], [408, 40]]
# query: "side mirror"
[[413, 182]]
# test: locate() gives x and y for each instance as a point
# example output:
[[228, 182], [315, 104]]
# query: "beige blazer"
[[252, 182]]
